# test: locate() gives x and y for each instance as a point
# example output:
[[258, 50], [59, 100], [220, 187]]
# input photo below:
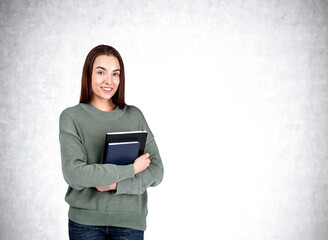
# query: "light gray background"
[[234, 91]]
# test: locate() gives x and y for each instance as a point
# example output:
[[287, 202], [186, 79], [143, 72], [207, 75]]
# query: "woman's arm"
[[150, 177], [77, 173], [139, 165]]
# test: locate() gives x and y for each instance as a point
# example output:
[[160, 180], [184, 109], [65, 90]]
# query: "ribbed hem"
[[110, 115], [94, 218]]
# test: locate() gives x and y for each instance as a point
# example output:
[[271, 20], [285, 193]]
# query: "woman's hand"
[[107, 188], [141, 163]]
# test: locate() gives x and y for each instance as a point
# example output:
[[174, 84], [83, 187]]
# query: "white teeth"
[[107, 89]]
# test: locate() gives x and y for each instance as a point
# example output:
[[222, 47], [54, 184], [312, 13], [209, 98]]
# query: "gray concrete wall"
[[241, 85]]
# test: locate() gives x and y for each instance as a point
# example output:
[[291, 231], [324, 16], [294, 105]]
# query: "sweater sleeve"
[[151, 176], [77, 173]]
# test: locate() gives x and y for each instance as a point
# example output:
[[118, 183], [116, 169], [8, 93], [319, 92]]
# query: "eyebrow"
[[106, 69]]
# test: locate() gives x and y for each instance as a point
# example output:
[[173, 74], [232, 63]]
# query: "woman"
[[106, 201]]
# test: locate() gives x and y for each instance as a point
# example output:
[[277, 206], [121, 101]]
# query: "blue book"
[[129, 136], [122, 153]]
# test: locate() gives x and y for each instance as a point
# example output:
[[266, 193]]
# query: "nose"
[[108, 79]]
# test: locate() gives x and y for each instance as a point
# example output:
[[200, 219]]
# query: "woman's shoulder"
[[71, 112], [133, 110], [136, 114]]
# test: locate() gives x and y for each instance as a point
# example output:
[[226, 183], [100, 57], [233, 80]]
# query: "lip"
[[106, 89]]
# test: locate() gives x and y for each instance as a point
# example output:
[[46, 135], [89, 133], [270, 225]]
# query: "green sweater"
[[82, 135]]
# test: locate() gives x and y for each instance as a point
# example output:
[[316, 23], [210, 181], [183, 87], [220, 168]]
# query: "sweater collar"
[[110, 115]]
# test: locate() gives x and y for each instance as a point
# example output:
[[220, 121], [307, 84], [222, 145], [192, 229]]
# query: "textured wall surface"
[[236, 93]]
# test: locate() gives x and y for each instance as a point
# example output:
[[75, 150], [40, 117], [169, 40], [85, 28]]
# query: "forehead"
[[108, 62]]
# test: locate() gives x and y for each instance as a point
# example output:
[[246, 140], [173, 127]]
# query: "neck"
[[103, 105]]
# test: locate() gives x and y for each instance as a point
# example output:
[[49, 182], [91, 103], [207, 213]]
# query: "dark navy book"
[[122, 153], [114, 138]]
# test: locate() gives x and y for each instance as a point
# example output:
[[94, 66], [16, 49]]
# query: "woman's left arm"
[[150, 177]]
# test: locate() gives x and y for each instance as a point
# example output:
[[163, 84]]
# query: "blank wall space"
[[235, 93]]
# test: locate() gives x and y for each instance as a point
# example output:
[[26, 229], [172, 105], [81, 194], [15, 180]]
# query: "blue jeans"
[[85, 232]]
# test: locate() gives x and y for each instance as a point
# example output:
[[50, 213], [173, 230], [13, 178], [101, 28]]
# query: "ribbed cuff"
[[123, 187]]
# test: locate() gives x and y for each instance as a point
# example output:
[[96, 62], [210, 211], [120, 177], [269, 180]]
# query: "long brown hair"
[[86, 89]]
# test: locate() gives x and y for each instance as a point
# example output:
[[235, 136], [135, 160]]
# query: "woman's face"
[[105, 77]]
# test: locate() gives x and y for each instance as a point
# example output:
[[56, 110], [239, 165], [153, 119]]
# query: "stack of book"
[[122, 148]]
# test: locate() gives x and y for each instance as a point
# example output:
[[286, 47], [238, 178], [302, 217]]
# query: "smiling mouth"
[[106, 89]]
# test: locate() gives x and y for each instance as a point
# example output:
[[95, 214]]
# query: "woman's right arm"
[[77, 173]]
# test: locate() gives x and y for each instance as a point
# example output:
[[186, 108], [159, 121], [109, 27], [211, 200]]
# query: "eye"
[[116, 74], [101, 73]]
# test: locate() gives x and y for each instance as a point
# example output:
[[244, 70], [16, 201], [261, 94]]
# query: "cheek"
[[96, 80], [116, 82]]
